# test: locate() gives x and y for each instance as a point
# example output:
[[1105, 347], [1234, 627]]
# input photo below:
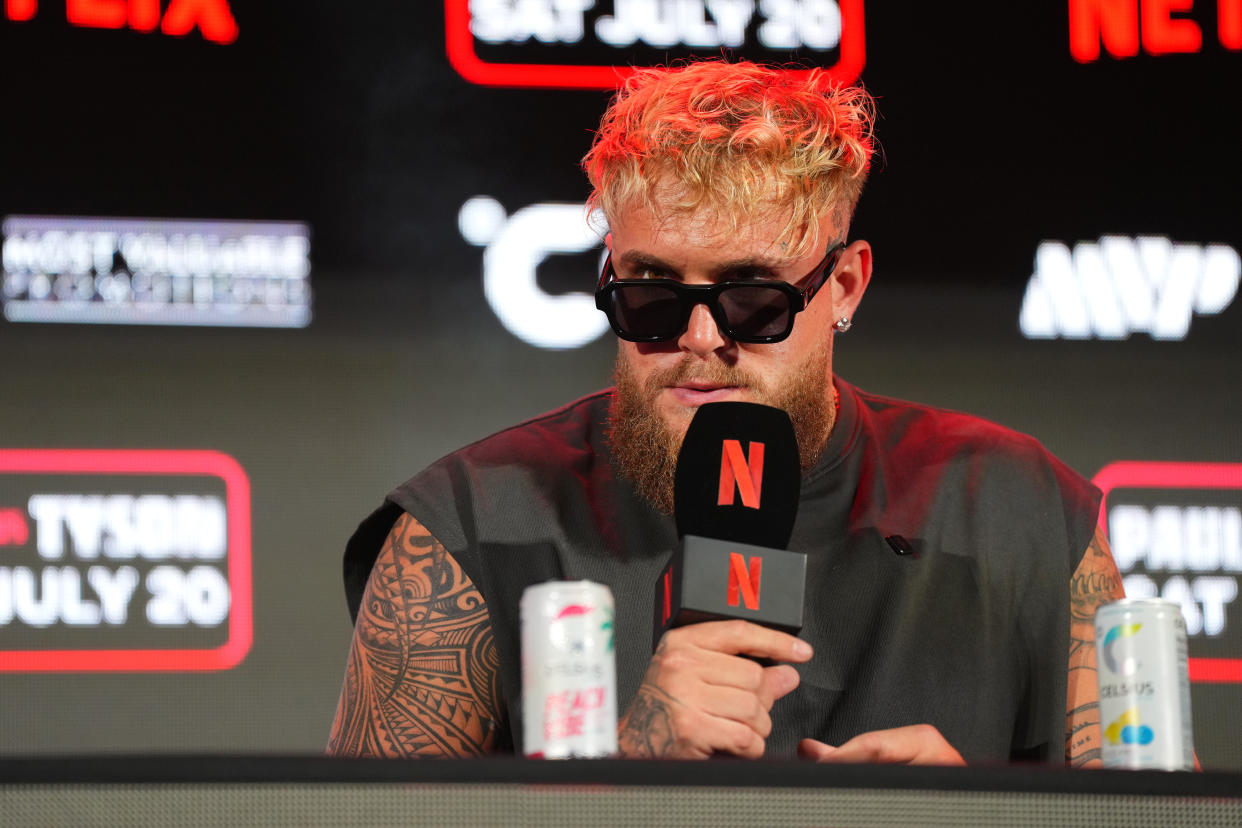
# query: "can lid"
[[1142, 602], [564, 590]]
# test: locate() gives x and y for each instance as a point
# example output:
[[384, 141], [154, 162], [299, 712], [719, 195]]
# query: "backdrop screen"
[[264, 261]]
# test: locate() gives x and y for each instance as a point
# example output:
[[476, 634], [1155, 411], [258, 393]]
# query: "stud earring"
[[843, 324]]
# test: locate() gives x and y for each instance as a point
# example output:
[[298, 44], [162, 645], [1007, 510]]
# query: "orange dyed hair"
[[738, 138]]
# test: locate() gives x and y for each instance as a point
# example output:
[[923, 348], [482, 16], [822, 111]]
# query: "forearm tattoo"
[[1095, 582], [646, 731], [422, 677]]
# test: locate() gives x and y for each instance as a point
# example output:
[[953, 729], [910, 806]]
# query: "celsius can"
[[569, 681], [1140, 648]]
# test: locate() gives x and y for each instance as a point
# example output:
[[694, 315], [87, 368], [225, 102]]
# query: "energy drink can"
[[1140, 648], [569, 682]]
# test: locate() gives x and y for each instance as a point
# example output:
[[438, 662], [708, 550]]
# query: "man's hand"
[[914, 745], [700, 696]]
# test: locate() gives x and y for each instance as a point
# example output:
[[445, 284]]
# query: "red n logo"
[[667, 609], [747, 583], [13, 527], [735, 470]]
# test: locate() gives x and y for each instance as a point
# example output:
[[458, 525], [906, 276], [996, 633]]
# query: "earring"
[[843, 324]]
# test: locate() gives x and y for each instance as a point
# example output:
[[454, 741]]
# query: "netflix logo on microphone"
[[735, 500], [708, 580], [741, 474], [744, 581]]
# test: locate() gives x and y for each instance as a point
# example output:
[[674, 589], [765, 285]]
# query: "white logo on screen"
[[786, 24], [1120, 286], [155, 271], [514, 246], [1194, 551]]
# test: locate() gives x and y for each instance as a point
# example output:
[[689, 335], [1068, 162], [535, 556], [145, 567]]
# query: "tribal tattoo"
[[1095, 582], [422, 678]]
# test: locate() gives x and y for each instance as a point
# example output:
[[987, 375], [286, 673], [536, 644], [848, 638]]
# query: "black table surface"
[[733, 773]]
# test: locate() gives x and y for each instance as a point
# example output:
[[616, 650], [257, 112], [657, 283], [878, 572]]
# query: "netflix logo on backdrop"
[[1126, 28], [212, 18], [1176, 533], [124, 560], [595, 44]]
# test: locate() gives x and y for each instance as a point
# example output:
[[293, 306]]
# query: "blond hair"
[[738, 138]]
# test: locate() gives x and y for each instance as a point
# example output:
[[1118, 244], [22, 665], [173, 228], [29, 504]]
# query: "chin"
[[676, 419]]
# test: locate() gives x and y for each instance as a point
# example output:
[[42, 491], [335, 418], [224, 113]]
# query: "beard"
[[645, 446]]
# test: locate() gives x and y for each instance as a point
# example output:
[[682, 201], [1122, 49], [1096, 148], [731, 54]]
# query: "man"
[[979, 647]]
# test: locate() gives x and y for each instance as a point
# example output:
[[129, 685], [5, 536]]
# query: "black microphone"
[[735, 498]]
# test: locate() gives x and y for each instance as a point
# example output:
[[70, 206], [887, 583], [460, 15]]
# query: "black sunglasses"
[[746, 310]]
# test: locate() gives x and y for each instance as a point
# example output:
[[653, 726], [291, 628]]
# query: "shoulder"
[[575, 426], [913, 425], [928, 435], [969, 457], [519, 475], [560, 439], [565, 442]]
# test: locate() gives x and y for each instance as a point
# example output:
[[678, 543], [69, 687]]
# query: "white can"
[[569, 680], [1140, 648]]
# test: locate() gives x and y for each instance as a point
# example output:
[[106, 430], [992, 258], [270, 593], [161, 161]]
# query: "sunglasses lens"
[[654, 312], [646, 311], [755, 312]]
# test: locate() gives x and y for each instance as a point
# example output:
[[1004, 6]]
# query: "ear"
[[850, 279], [608, 240]]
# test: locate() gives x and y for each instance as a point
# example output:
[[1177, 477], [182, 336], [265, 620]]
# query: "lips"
[[695, 392]]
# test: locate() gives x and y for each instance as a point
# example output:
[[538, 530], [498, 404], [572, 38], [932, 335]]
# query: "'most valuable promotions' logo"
[[1121, 286], [126, 271]]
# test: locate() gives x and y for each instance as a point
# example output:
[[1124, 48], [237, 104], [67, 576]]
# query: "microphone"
[[735, 498]]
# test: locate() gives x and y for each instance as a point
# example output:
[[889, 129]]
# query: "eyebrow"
[[752, 267]]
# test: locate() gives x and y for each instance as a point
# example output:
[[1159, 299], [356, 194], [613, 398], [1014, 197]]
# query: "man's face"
[[661, 385]]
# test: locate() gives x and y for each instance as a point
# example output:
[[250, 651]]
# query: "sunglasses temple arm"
[[830, 266]]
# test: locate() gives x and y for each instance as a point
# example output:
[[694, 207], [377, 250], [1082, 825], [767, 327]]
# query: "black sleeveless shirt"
[[969, 634]]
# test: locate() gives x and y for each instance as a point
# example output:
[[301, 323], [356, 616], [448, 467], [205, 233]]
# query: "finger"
[[883, 746], [912, 745], [726, 670], [727, 736], [737, 706], [814, 750], [768, 683], [738, 637], [778, 681]]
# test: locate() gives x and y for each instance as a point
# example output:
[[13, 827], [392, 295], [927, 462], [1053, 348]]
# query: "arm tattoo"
[[422, 677], [1095, 582], [646, 731]]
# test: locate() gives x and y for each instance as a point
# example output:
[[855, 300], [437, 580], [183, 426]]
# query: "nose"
[[702, 335]]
